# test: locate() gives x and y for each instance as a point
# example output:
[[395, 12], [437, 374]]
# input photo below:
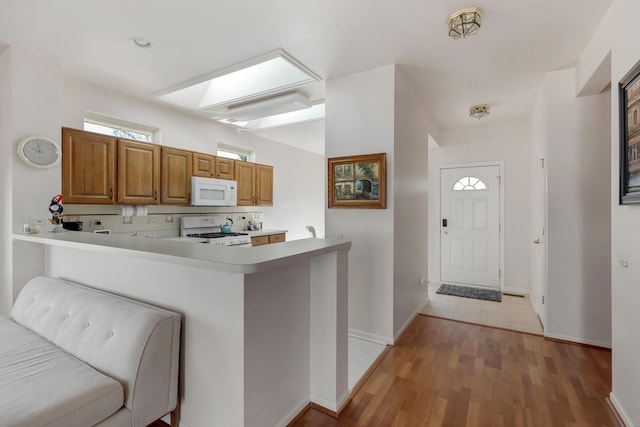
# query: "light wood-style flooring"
[[447, 373]]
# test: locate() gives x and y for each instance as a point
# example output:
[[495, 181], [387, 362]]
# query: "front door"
[[470, 225]]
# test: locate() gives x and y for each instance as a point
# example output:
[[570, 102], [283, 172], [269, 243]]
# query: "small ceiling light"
[[465, 22], [140, 42], [479, 111]]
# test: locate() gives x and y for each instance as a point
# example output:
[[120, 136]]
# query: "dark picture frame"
[[629, 98], [358, 181]]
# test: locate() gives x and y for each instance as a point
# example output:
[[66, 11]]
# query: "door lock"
[[444, 222], [537, 241]]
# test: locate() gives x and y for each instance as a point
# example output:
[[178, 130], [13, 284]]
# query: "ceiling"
[[503, 65]]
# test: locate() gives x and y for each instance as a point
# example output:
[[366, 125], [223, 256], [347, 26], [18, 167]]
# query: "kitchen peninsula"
[[264, 329]]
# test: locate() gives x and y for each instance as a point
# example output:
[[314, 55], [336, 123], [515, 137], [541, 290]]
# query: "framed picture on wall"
[[358, 182], [629, 96]]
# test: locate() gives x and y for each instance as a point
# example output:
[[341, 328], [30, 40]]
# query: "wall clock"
[[39, 151]]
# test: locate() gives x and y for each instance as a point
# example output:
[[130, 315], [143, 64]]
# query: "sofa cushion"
[[42, 385]]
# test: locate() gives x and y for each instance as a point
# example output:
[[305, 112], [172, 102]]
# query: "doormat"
[[470, 292]]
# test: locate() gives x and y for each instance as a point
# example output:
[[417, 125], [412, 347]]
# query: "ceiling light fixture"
[[140, 42], [464, 23], [479, 111]]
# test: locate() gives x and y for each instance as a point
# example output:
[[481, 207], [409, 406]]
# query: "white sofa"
[[74, 356]]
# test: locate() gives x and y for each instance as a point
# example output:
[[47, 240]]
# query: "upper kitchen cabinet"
[[138, 173], [204, 165], [255, 184], [264, 185], [225, 168], [176, 176], [88, 167]]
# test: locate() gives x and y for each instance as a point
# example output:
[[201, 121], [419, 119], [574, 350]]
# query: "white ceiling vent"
[[269, 106]]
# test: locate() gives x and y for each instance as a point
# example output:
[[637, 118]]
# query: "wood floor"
[[447, 373]]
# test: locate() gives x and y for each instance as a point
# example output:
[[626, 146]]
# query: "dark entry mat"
[[470, 292]]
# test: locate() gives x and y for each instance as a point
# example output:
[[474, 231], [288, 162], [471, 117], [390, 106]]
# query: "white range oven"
[[208, 227]]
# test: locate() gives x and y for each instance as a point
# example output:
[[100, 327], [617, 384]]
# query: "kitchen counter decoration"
[[358, 182], [55, 207]]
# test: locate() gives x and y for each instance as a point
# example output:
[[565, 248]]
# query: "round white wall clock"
[[39, 151]]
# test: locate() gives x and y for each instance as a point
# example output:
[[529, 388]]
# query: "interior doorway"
[[470, 225]]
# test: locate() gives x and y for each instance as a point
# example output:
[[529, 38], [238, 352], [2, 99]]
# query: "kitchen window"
[[234, 153], [107, 125]]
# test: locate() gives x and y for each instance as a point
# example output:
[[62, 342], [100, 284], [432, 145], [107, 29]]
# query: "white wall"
[[377, 111], [34, 93], [508, 142], [619, 32], [6, 157], [578, 214], [298, 175], [412, 125], [359, 120]]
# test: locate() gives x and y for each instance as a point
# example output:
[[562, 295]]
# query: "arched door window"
[[469, 183]]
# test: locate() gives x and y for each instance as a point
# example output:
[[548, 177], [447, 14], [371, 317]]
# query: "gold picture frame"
[[358, 181]]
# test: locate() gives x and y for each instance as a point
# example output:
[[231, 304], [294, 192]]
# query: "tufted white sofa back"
[[132, 342]]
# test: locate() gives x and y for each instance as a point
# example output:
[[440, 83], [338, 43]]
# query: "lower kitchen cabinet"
[[267, 239]]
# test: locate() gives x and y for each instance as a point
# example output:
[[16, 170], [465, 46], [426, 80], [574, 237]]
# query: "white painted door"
[[540, 249], [470, 225]]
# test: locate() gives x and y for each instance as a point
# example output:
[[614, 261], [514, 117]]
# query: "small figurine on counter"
[[56, 211]]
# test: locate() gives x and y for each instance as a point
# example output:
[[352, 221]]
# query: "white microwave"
[[213, 192]]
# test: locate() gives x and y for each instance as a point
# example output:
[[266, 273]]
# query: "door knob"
[[537, 241]]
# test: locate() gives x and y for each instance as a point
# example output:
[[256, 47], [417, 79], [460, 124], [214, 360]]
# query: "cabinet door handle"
[[155, 195], [111, 193]]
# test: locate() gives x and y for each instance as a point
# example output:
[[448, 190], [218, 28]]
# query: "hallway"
[[514, 312]]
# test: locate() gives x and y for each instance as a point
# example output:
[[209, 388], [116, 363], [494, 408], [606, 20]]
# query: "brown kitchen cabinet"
[[204, 165], [259, 240], [267, 239], [176, 167], [276, 238], [88, 167], [138, 173], [225, 168], [255, 184]]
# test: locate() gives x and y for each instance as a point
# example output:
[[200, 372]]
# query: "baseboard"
[[594, 343], [295, 414], [517, 291], [619, 411], [411, 318], [378, 339]]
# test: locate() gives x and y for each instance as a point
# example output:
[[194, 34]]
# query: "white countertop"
[[221, 258]]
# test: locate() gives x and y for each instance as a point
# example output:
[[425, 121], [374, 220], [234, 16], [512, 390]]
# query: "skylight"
[[268, 74]]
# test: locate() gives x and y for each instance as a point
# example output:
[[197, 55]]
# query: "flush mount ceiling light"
[[479, 111], [140, 42], [464, 23], [260, 80]]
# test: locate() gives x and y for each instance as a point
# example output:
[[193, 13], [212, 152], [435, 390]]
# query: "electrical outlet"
[[168, 218], [153, 221], [126, 220]]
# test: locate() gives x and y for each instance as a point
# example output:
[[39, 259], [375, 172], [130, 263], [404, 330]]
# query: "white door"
[[470, 225], [540, 268]]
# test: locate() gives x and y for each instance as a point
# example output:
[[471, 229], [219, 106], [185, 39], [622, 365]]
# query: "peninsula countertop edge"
[[245, 260]]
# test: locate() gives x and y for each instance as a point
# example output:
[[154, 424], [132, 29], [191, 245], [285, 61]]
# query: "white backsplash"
[[161, 220]]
